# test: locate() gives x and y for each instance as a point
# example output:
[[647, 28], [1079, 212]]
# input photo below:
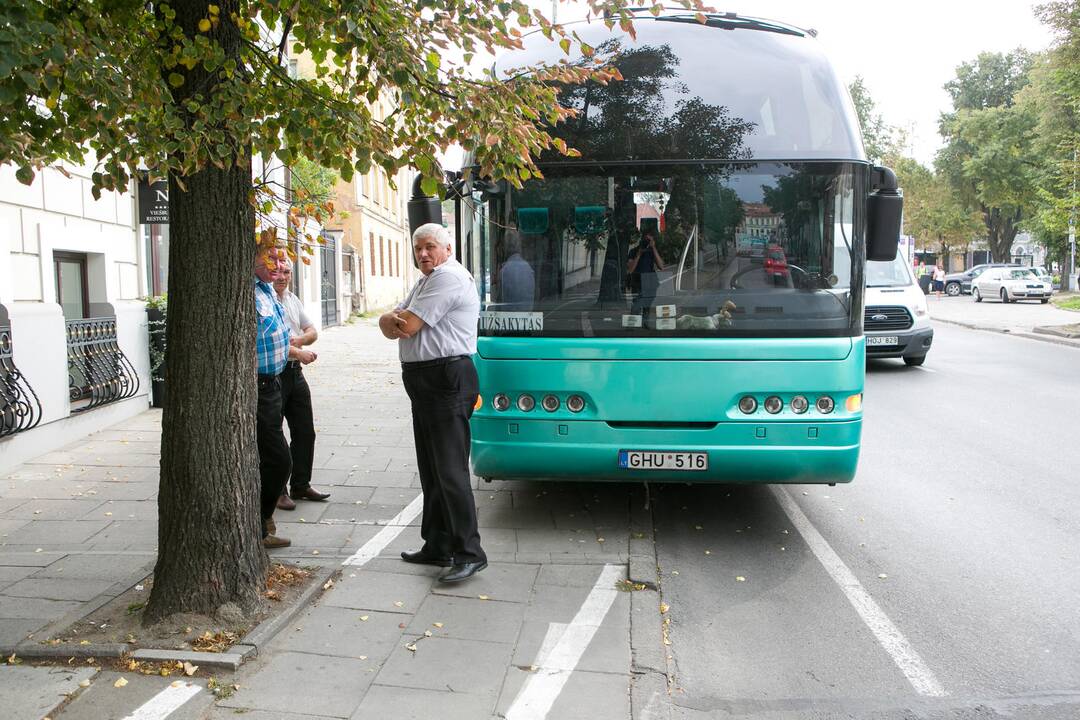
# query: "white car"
[[896, 321], [1011, 284]]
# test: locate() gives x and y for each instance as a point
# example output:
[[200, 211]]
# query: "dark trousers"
[[443, 395], [275, 462], [296, 407]]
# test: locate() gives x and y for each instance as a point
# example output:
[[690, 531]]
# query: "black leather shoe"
[[463, 571], [309, 493], [422, 558]]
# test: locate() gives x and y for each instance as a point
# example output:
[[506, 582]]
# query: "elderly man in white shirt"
[[296, 396], [435, 328]]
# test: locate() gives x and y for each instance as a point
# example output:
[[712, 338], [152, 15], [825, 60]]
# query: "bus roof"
[[734, 88]]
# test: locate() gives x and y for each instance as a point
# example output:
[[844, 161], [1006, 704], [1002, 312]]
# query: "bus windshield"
[[688, 250]]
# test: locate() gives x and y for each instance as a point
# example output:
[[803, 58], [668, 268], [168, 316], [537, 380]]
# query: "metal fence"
[[98, 371], [19, 406]]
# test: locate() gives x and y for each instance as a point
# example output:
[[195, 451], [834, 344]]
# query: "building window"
[[371, 238], [397, 259], [382, 254], [72, 291]]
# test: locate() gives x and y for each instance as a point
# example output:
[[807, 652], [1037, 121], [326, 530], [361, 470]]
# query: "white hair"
[[435, 230], [286, 262]]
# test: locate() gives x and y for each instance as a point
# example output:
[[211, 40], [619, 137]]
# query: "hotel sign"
[[154, 202]]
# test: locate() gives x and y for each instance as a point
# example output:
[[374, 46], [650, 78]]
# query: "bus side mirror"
[[884, 213], [422, 208]]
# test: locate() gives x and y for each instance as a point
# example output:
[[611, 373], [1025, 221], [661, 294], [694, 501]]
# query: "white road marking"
[[165, 702], [553, 668], [371, 549], [888, 635]]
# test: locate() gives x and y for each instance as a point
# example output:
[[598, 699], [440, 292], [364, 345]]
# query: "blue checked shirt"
[[272, 341]]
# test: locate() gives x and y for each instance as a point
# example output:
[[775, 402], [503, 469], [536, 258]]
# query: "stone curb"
[[1038, 333], [1055, 330], [32, 648], [648, 658], [246, 649], [265, 631]]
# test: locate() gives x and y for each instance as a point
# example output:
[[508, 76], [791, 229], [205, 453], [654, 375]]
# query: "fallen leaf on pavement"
[[363, 618], [438, 625], [664, 607], [190, 669], [411, 647], [427, 633], [399, 604], [84, 683], [483, 597], [328, 584], [740, 578], [120, 683]]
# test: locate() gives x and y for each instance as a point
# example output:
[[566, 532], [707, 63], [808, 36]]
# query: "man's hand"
[[296, 342], [390, 325], [306, 357]]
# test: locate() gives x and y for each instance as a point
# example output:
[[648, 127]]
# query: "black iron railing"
[[20, 408], [98, 372]]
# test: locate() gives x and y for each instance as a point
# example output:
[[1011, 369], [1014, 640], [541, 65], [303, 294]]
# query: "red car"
[[776, 265]]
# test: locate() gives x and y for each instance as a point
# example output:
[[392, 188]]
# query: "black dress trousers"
[[296, 406], [443, 394], [275, 462]]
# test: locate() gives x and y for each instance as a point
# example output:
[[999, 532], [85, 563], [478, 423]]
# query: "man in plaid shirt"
[[272, 351]]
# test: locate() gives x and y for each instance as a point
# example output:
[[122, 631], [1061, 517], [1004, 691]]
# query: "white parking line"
[[165, 702], [371, 549], [553, 668], [888, 635]]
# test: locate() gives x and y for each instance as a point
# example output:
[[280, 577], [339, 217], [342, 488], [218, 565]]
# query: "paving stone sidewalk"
[[386, 640]]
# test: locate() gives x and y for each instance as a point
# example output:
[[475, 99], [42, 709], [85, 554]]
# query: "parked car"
[[896, 322], [960, 283], [1043, 274], [1011, 284]]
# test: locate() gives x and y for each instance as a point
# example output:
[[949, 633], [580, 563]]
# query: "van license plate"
[[882, 340], [648, 460]]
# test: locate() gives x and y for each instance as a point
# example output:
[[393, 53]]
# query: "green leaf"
[[25, 174], [176, 79], [430, 186]]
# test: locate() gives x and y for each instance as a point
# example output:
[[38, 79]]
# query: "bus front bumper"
[[738, 452]]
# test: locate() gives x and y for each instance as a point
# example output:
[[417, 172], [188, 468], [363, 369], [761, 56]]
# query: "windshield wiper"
[[731, 21]]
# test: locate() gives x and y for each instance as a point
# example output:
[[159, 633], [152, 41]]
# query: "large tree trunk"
[[1001, 227], [210, 554]]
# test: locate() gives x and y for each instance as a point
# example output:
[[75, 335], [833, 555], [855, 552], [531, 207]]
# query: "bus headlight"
[[748, 404], [500, 402], [575, 403], [825, 404], [526, 403], [799, 404], [550, 403], [773, 404]]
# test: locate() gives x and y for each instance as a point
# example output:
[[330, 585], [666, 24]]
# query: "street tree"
[[933, 214], [989, 153], [191, 90], [1053, 97]]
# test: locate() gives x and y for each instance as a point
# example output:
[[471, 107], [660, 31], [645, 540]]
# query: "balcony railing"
[[98, 372], [19, 406]]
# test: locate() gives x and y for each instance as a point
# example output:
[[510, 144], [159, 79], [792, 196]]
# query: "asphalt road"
[[961, 528]]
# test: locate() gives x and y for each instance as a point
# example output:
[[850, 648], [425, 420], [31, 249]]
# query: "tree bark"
[[210, 552]]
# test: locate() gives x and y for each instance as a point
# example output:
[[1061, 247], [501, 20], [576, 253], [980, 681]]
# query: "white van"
[[896, 321]]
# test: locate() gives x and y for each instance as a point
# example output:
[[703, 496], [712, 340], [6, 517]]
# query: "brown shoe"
[[309, 493], [285, 502], [271, 527], [272, 542]]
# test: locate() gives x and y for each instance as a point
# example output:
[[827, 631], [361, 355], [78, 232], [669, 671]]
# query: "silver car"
[[1010, 284]]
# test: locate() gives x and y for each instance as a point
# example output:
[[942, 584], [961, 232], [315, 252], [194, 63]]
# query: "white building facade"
[[73, 331]]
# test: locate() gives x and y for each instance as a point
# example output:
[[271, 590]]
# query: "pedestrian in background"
[[435, 327], [296, 395], [939, 279]]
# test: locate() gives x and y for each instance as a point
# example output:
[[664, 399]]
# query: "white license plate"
[[649, 460], [882, 340]]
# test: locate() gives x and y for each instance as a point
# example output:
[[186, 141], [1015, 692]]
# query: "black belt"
[[294, 364], [433, 363]]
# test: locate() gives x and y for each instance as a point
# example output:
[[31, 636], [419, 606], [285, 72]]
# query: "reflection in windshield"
[[1022, 275], [754, 248], [892, 273]]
